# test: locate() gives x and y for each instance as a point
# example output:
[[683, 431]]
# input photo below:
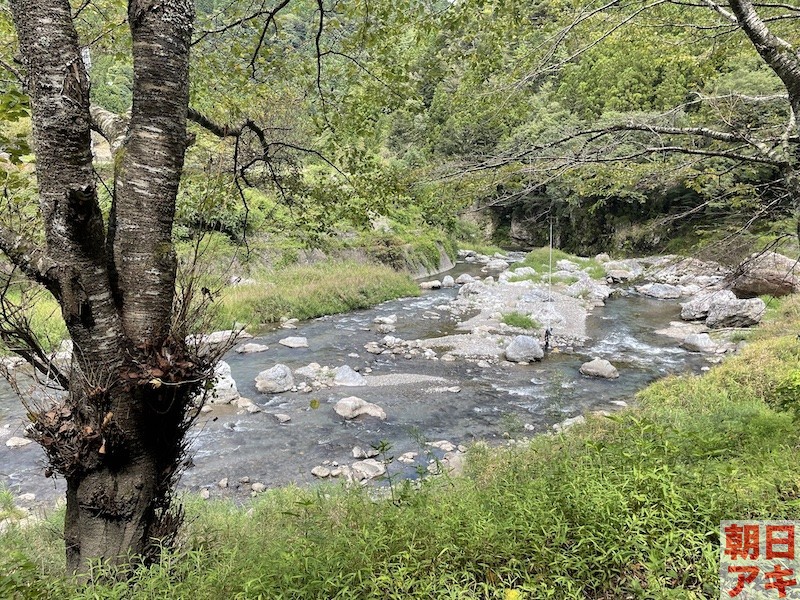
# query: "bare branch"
[[24, 254], [110, 125], [270, 20], [270, 14], [15, 72]]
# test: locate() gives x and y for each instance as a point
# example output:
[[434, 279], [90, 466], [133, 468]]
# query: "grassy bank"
[[622, 507], [307, 291]]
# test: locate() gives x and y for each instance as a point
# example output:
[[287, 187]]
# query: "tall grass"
[[518, 319], [307, 291]]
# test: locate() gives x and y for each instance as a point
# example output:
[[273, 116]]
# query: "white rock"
[[275, 380], [497, 264], [223, 483], [369, 468], [205, 493], [524, 348], [225, 390], [321, 472], [430, 285], [618, 275], [698, 306], [448, 282], [346, 376], [599, 367], [352, 407], [386, 320], [205, 344], [567, 423], [359, 452], [464, 278], [294, 342], [389, 341], [18, 442], [699, 342], [736, 313], [258, 487], [662, 291], [310, 371], [29, 497], [567, 265], [444, 445], [407, 458], [282, 418], [251, 348]]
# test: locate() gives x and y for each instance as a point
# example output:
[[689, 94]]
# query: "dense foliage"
[[403, 116]]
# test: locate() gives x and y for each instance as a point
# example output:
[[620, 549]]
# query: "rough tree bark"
[[117, 436], [782, 58]]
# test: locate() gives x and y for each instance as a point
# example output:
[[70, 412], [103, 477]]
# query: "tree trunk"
[[118, 496], [118, 435]]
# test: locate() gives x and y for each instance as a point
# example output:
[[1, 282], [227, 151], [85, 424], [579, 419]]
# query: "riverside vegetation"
[[622, 506]]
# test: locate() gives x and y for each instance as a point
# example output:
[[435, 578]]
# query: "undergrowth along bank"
[[308, 291], [626, 506]]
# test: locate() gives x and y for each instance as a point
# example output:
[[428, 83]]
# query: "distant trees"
[[630, 110]]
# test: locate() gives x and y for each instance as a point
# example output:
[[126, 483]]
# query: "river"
[[493, 403]]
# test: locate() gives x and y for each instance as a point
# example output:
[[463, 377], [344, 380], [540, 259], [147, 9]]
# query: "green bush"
[[517, 319]]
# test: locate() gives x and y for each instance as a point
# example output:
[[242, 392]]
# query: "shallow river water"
[[493, 402]]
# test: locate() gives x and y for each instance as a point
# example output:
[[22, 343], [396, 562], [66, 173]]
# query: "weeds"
[[307, 291], [517, 319]]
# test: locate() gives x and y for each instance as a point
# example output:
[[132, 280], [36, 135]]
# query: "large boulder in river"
[[496, 264], [662, 291], [524, 348], [696, 309], [766, 273], [736, 313], [275, 380], [599, 367], [225, 390], [294, 342], [345, 375], [352, 407]]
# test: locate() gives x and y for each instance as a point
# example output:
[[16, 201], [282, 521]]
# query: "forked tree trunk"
[[118, 435]]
